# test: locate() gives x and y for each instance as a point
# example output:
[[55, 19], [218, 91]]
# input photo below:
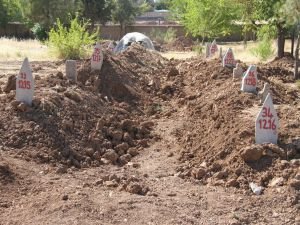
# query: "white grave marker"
[[71, 70], [249, 81], [264, 93], [266, 124], [228, 59], [213, 48], [25, 84], [97, 58], [238, 71]]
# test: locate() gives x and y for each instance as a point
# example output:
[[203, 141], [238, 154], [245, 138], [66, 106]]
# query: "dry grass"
[[16, 50], [241, 52]]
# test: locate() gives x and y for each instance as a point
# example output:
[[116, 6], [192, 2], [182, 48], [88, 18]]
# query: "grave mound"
[[220, 126], [103, 119]]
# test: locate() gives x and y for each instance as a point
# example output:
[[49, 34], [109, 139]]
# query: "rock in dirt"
[[232, 183], [73, 95], [277, 181], [294, 184], [111, 156], [198, 173], [135, 188], [10, 84], [252, 153]]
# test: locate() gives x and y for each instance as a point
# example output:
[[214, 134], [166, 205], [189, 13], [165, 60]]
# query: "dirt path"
[[37, 195]]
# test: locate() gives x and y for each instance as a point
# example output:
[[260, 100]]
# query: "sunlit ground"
[[16, 50]]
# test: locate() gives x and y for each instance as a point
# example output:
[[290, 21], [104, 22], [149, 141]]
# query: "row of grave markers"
[[266, 124]]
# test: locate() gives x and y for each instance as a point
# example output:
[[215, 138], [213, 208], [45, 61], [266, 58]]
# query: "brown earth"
[[148, 141]]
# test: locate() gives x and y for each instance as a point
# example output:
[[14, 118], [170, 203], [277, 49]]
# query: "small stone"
[[22, 107], [173, 72], [65, 197], [60, 75], [171, 194], [277, 181], [111, 183], [98, 182], [252, 153], [198, 173], [232, 183], [170, 154], [221, 175], [10, 84], [297, 177], [133, 152], [124, 159], [73, 96], [294, 184], [135, 188], [111, 155], [61, 169]]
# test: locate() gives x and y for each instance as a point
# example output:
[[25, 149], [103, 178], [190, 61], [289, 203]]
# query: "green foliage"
[[163, 37], [198, 49], [290, 11], [163, 4], [265, 36], [264, 49], [10, 11], [72, 42], [39, 32], [45, 12], [125, 11], [97, 10], [206, 18]]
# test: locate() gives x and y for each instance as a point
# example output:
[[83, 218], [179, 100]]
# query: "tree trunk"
[[292, 42], [296, 72], [280, 41]]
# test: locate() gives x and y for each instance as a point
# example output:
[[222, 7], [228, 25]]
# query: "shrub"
[[198, 49], [265, 36], [71, 42], [39, 32], [264, 49], [163, 37]]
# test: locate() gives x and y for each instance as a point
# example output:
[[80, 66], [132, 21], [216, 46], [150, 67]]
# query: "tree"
[[45, 12], [10, 11], [162, 4], [97, 10], [206, 18], [269, 11], [291, 14], [125, 12]]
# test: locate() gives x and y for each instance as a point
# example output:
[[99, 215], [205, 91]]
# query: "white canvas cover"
[[133, 37]]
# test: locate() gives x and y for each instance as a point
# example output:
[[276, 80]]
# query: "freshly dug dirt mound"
[[101, 120], [179, 44], [221, 124]]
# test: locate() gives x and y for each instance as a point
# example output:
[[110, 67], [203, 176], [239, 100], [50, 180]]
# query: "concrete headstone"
[[265, 91], [228, 59], [71, 70], [267, 123], [213, 48], [238, 71], [249, 81], [97, 57], [25, 84]]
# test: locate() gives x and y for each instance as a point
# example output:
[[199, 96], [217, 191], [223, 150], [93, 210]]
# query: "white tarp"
[[133, 37]]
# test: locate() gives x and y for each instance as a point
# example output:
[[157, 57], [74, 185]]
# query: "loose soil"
[[147, 140]]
